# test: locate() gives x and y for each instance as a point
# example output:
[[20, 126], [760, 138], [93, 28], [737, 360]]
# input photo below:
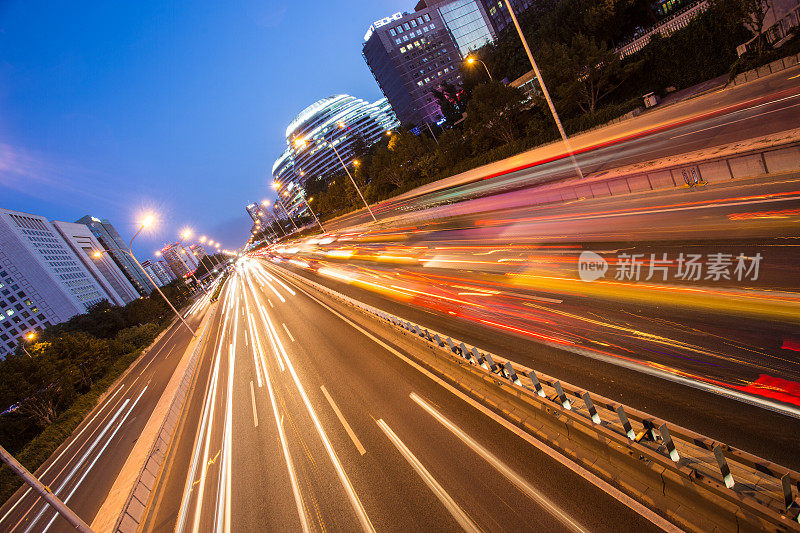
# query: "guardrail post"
[[536, 385], [590, 406], [490, 360], [511, 374], [668, 444], [561, 396], [626, 424], [724, 469], [786, 483], [464, 352], [476, 356], [453, 347], [438, 340]]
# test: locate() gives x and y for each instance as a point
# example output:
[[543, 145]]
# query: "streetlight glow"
[[31, 336], [97, 255], [185, 234], [203, 238], [148, 221], [275, 185], [265, 203]]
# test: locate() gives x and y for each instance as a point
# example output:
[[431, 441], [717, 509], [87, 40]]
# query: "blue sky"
[[113, 108]]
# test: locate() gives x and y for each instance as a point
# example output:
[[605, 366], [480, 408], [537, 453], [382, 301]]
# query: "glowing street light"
[[276, 185], [472, 59], [147, 221]]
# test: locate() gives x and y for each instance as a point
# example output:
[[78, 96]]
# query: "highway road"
[[83, 470], [759, 108], [507, 281], [301, 420]]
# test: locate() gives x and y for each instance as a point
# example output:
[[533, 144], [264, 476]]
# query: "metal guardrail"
[[761, 487]]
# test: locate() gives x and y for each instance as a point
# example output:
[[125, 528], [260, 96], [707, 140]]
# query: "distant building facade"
[[42, 280], [111, 240], [159, 271], [346, 122], [181, 262], [103, 268], [411, 54]]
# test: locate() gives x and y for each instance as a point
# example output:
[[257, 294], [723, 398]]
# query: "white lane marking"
[[80, 462], [554, 454], [298, 500], [253, 398], [452, 507], [287, 331], [270, 303], [358, 507], [97, 456], [735, 121], [532, 492], [73, 441], [342, 419], [277, 280]]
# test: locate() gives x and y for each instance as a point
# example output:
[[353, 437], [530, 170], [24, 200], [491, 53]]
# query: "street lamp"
[[472, 59], [146, 222], [544, 89], [302, 142], [265, 203], [187, 232], [30, 336], [276, 185]]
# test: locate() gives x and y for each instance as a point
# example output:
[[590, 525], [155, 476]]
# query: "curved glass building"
[[346, 122]]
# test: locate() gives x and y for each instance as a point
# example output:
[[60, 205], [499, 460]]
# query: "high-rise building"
[[411, 54], [42, 280], [182, 262], [348, 123], [103, 268], [498, 12], [107, 235], [159, 271]]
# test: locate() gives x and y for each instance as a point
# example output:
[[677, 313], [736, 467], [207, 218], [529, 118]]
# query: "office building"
[[180, 261], [498, 14], [103, 268], [411, 54], [42, 281], [348, 123], [107, 235], [159, 271]]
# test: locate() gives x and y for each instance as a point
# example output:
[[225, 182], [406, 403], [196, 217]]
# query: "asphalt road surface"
[[301, 420], [83, 470]]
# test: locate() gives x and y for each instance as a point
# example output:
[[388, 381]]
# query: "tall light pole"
[[302, 142], [275, 186], [30, 336], [148, 221], [265, 203], [473, 59], [309, 208], [544, 90], [210, 262]]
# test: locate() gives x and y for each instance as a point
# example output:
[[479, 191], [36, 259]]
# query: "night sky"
[[115, 108]]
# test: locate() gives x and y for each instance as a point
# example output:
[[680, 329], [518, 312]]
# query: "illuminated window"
[[406, 26], [402, 49], [392, 32], [426, 17], [413, 23]]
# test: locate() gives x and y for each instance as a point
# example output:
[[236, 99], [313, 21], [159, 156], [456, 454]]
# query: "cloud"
[[33, 174]]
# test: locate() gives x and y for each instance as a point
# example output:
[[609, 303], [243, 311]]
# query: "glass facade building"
[[411, 54], [309, 137]]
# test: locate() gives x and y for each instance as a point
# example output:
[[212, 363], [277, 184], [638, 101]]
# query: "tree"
[[755, 13], [583, 73], [452, 102], [494, 112]]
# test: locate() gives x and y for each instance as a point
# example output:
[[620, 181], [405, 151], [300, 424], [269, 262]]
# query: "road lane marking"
[[734, 121], [277, 280], [73, 441], [347, 427], [97, 456], [270, 303], [253, 398], [452, 507], [795, 76], [358, 507], [529, 490], [601, 484], [287, 331]]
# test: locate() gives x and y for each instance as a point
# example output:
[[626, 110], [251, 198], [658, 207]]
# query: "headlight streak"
[[358, 507]]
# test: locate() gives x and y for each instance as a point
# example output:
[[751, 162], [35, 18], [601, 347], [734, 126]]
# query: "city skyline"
[[100, 123]]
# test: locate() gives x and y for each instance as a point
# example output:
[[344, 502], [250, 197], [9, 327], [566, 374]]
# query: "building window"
[[426, 17], [399, 29], [392, 32], [402, 49], [406, 26], [413, 23], [397, 41]]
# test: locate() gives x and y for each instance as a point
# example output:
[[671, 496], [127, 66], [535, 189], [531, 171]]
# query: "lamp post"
[[265, 203], [309, 208], [148, 221], [30, 336], [275, 186], [210, 262], [544, 89], [473, 59], [303, 142], [184, 236]]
